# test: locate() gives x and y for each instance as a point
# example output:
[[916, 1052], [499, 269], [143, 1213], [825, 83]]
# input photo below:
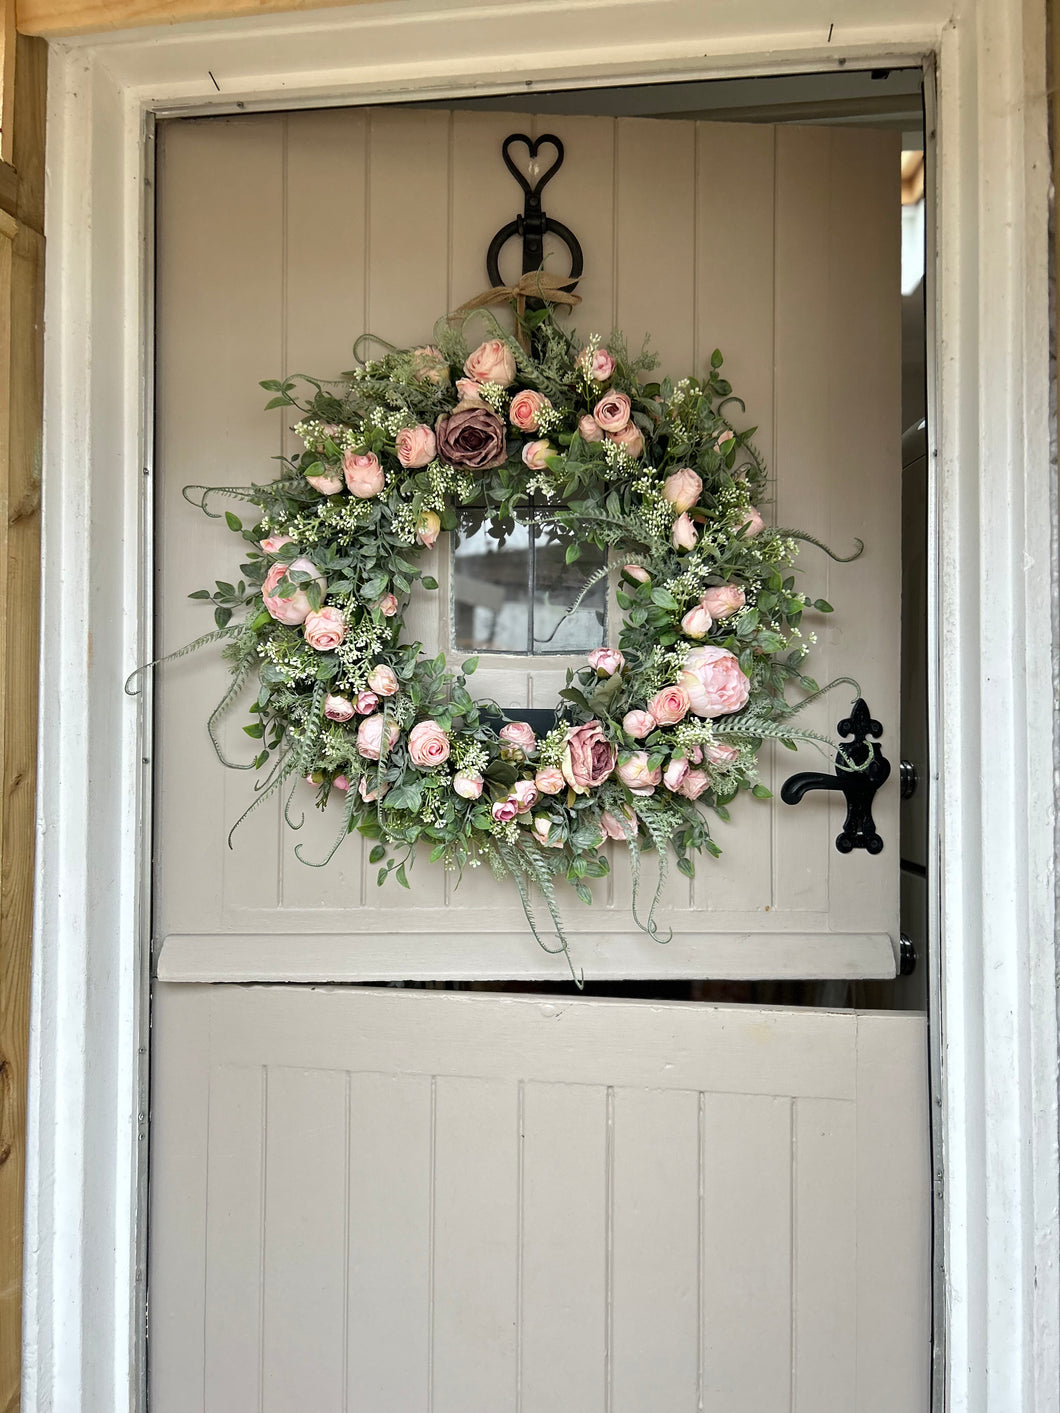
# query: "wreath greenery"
[[649, 734]]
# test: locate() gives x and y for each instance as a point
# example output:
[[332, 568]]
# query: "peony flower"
[[415, 446], [428, 745], [724, 600], [275, 543], [669, 706], [387, 605], [685, 534], [612, 825], [721, 753], [524, 795], [606, 661], [365, 703], [369, 793], [295, 608], [370, 740], [521, 734], [683, 489], [429, 365], [714, 682], [526, 408], [337, 708], [341, 783], [326, 485], [636, 572], [363, 473], [325, 629], [542, 828], [696, 622], [675, 772], [588, 757], [534, 454], [638, 776], [383, 680], [630, 439], [427, 527], [472, 439], [492, 362], [549, 780], [588, 430], [693, 785], [638, 724], [504, 811], [599, 365], [753, 525], [469, 391], [468, 784]]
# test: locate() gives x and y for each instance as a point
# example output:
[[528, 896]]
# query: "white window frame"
[[994, 614]]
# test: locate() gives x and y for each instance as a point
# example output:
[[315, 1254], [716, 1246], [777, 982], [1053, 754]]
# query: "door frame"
[[994, 614]]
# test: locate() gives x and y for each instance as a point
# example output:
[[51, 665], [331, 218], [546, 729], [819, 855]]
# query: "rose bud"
[[341, 783], [387, 605], [504, 811], [697, 622], [326, 485], [370, 740], [549, 780], [524, 795], [295, 608], [638, 724], [468, 784], [675, 773], [427, 528], [525, 410], [325, 629], [521, 734], [753, 524], [611, 413], [492, 362], [685, 534], [630, 439], [724, 439], [429, 365], [338, 708], [534, 454], [683, 489], [637, 776], [469, 392], [363, 473], [383, 680], [606, 661], [366, 703], [721, 753], [415, 446], [367, 793], [542, 828], [693, 785], [275, 543], [724, 600], [612, 825], [588, 429], [428, 745], [599, 365], [669, 706], [637, 573]]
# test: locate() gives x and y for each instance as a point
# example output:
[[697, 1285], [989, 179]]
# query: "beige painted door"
[[380, 1200]]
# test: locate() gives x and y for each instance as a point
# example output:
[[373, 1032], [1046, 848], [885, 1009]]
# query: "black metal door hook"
[[860, 769], [533, 224]]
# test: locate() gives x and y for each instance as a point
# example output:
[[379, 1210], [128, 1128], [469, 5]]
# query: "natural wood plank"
[[7, 76], [58, 17]]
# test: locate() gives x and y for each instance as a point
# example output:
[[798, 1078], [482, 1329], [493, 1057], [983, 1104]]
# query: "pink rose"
[[588, 757], [295, 608], [468, 784], [415, 446], [428, 745], [637, 775], [521, 734], [341, 783], [526, 408], [683, 489], [370, 740], [338, 708], [549, 780], [469, 391], [429, 365], [636, 572], [639, 723], [606, 661], [724, 600], [368, 793], [524, 795], [325, 629], [693, 785], [714, 682], [326, 485], [675, 773], [427, 527], [630, 439], [275, 542], [588, 430], [365, 703], [383, 680], [696, 622], [542, 828], [611, 413], [724, 437], [363, 473], [669, 706], [504, 811], [753, 525], [534, 454], [599, 365], [492, 362], [695, 754], [612, 825], [387, 605], [685, 534], [721, 753]]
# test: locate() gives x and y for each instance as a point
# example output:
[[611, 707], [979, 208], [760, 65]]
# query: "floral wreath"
[[648, 734]]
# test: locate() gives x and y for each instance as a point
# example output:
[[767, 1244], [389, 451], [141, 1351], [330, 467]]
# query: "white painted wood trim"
[[996, 612]]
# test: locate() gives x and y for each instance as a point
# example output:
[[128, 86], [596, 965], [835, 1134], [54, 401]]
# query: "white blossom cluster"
[[495, 397], [469, 754], [313, 434]]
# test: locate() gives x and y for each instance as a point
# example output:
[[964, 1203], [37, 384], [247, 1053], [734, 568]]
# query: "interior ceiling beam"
[[54, 18]]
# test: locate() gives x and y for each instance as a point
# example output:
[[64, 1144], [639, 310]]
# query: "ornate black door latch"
[[860, 769], [533, 224]]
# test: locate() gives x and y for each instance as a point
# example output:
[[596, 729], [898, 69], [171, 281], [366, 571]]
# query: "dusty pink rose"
[[683, 489], [429, 365], [504, 811], [714, 681], [383, 680], [363, 473], [695, 754], [415, 446], [588, 758], [526, 408], [275, 542], [723, 600], [630, 439], [469, 391], [325, 629], [637, 775], [696, 622], [472, 438], [606, 661], [468, 784], [549, 780], [428, 745], [639, 723], [542, 828], [534, 454], [613, 827], [370, 739], [675, 772], [721, 753], [637, 572], [341, 783], [427, 528], [669, 706], [338, 708], [599, 365], [521, 734], [753, 524], [685, 534], [693, 785], [369, 793], [295, 608], [387, 605], [524, 795], [365, 703], [588, 430], [492, 362], [611, 413], [326, 485]]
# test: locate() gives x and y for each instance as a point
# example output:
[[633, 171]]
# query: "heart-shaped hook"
[[533, 146]]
